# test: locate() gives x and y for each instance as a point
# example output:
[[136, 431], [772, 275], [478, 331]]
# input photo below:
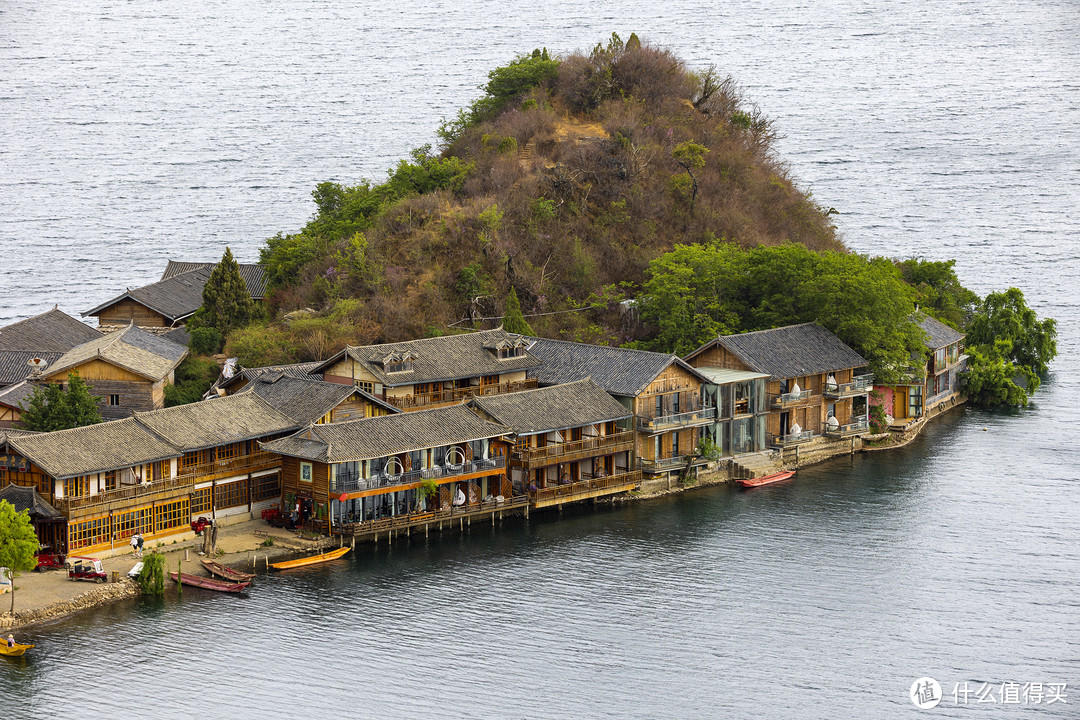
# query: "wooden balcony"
[[791, 399], [585, 489], [861, 424], [402, 481], [860, 385], [791, 439], [201, 472], [456, 395], [663, 423], [670, 463], [393, 524], [575, 449], [125, 495]]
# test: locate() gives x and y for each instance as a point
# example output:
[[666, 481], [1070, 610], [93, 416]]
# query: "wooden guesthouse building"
[[32, 345], [397, 472], [935, 384], [663, 393], [814, 386], [572, 442], [435, 371]]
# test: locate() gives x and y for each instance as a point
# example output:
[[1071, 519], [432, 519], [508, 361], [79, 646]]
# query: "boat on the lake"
[[208, 583], [15, 651], [225, 572], [765, 479], [313, 560]]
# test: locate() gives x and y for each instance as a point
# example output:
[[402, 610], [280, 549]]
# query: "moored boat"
[[313, 560], [208, 583], [225, 572], [15, 651], [765, 479]]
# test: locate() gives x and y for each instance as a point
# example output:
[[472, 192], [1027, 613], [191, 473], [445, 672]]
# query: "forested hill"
[[562, 182]]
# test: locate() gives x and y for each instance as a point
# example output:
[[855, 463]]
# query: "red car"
[[197, 526], [49, 561], [85, 568]]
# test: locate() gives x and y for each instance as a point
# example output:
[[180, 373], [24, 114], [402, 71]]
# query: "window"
[[172, 515], [114, 400], [135, 521], [231, 494], [674, 444], [305, 472], [228, 452], [266, 487], [87, 533], [396, 366], [110, 480], [489, 380], [742, 398], [77, 486], [365, 386], [200, 501], [511, 352]]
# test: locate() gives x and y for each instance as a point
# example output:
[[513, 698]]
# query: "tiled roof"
[[6, 433], [619, 371], [450, 357], [217, 421], [175, 298], [51, 331], [254, 275], [552, 408], [386, 435], [305, 400], [94, 448], [940, 333], [15, 364], [296, 370], [17, 395], [132, 348], [27, 498], [791, 351]]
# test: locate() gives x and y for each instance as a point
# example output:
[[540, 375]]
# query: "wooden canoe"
[[208, 583], [765, 479], [13, 651], [313, 560], [225, 572]]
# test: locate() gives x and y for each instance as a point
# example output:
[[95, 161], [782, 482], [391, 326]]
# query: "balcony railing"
[[406, 520], [791, 438], [860, 424], [608, 443], [672, 462], [685, 419], [587, 487], [124, 492], [859, 385], [790, 398], [456, 395], [352, 483], [259, 460]]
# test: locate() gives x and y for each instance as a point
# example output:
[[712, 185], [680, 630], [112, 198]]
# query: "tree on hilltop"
[[514, 321]]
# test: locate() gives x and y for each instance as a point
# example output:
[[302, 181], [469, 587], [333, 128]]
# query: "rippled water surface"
[[132, 132]]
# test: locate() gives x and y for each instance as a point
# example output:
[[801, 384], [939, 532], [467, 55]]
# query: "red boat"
[[208, 583], [765, 479]]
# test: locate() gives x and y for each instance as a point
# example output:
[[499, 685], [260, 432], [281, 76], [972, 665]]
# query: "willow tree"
[[227, 303]]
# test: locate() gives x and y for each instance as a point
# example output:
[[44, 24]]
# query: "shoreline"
[[43, 598]]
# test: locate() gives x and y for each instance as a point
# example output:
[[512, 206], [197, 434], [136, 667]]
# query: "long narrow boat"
[[765, 479], [225, 572], [313, 560], [14, 651], [208, 583]]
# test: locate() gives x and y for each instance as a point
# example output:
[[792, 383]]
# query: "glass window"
[[742, 397], [742, 440]]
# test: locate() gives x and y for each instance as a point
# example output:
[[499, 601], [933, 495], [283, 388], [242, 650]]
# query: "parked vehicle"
[[197, 526], [85, 568], [49, 561]]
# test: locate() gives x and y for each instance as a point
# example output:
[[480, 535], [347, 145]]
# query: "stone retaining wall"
[[97, 596]]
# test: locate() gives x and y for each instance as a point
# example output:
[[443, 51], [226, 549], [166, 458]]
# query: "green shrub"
[[151, 578], [205, 341]]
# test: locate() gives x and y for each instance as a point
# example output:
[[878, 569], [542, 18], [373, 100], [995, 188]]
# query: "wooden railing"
[[349, 483], [124, 492], [791, 438], [684, 419], [259, 460], [858, 425], [558, 450], [398, 522], [411, 402], [671, 462], [588, 486]]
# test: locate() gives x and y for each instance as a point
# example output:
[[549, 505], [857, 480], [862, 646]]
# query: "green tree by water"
[[51, 408], [18, 543], [152, 576], [227, 303], [514, 321]]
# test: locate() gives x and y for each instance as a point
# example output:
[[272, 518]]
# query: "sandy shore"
[[50, 595]]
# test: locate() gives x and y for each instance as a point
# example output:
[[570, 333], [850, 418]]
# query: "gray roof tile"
[[17, 395], [254, 275], [15, 364], [552, 408], [791, 351], [94, 448], [386, 435], [218, 421], [940, 333], [132, 348], [305, 400], [27, 498], [619, 371], [51, 331]]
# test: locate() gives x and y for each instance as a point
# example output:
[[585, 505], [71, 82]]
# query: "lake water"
[[132, 132]]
